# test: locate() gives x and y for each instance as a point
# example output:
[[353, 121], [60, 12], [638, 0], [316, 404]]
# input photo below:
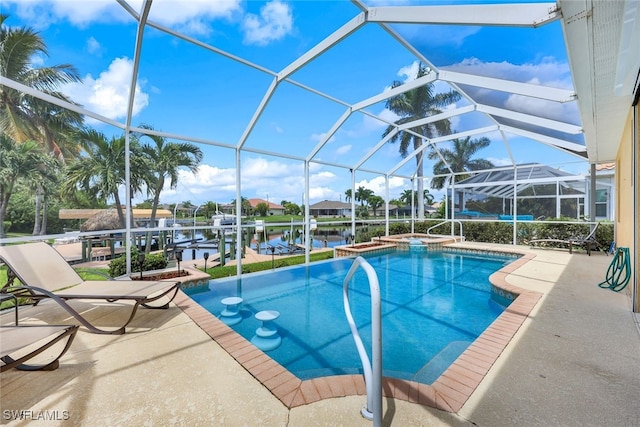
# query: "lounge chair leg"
[[164, 306], [24, 367], [84, 321], [68, 333]]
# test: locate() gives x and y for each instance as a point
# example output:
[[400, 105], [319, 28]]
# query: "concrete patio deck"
[[574, 361]]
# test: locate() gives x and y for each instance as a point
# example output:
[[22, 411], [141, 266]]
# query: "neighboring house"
[[605, 191], [274, 209], [328, 208], [405, 211], [335, 209]]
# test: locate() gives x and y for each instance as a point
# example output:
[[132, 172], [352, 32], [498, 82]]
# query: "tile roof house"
[[274, 209]]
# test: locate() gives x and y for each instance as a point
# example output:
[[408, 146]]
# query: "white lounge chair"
[[44, 274]]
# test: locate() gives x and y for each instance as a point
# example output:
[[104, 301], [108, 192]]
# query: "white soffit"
[[525, 15], [593, 38]]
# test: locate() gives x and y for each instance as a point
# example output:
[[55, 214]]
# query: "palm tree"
[[26, 161], [245, 205], [347, 196], [101, 171], [165, 160], [375, 202], [209, 209], [362, 195], [408, 194], [414, 105], [459, 159], [24, 117]]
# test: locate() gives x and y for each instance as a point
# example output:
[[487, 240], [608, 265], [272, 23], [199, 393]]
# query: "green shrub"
[[499, 231], [230, 270], [118, 266]]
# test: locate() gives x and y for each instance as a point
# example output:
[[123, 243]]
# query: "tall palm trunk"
[[116, 197], [154, 210], [45, 209], [38, 209], [4, 203], [5, 194]]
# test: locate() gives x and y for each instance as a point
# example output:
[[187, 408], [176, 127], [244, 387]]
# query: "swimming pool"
[[434, 304]]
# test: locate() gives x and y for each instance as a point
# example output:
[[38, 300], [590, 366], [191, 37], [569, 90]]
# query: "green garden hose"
[[620, 264]]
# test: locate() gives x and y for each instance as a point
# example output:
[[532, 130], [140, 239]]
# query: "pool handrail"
[[372, 373], [444, 222]]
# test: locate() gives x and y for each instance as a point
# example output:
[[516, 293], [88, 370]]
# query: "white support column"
[[413, 208], [238, 218], [307, 220], [386, 203], [353, 203], [592, 196], [557, 199], [144, 14], [515, 204], [452, 185], [635, 166]]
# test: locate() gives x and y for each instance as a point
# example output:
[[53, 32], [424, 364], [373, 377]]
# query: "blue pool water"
[[434, 304]]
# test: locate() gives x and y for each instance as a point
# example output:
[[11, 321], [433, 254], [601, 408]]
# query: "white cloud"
[[547, 72], [388, 115], [44, 13], [210, 183], [340, 151], [190, 16], [274, 23], [261, 178], [108, 94], [317, 137], [500, 161], [409, 72], [378, 185], [93, 46], [318, 194]]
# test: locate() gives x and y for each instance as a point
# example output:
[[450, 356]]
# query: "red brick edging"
[[449, 392]]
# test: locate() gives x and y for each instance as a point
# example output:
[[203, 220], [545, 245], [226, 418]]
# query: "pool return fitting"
[[372, 373], [620, 264]]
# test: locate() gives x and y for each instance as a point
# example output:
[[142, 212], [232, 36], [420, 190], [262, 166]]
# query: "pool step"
[[436, 366]]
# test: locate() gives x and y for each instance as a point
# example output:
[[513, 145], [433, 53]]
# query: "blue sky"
[[184, 89]]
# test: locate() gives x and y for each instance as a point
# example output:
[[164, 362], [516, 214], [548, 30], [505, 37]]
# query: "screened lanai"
[[311, 112], [542, 192]]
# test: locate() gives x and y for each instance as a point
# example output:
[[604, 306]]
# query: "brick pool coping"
[[448, 393]]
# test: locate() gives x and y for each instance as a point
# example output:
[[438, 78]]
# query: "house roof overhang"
[[603, 46]]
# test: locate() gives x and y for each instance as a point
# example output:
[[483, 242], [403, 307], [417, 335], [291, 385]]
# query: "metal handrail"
[[444, 222], [372, 372]]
